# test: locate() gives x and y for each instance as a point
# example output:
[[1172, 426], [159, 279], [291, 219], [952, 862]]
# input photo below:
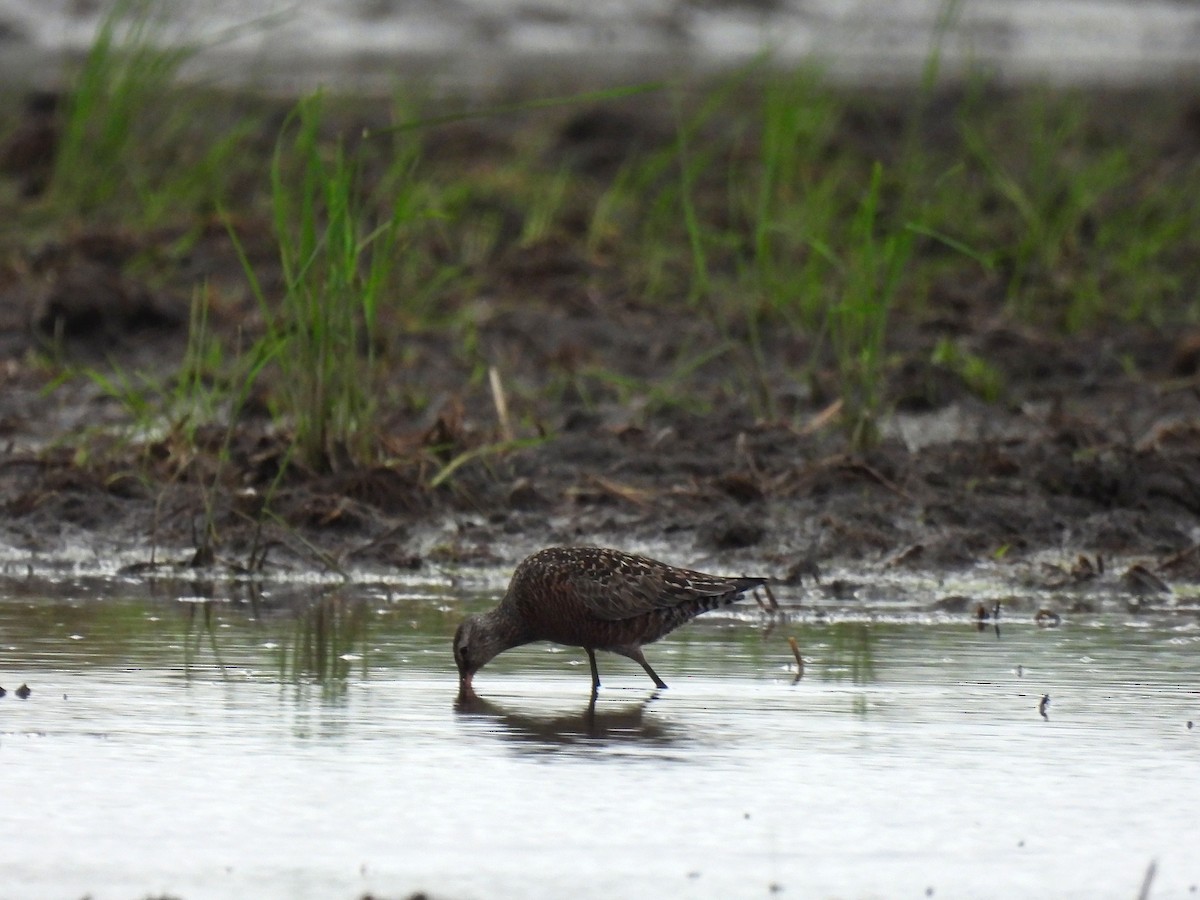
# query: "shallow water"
[[476, 44], [306, 745]]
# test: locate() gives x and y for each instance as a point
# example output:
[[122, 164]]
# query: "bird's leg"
[[595, 672], [635, 653]]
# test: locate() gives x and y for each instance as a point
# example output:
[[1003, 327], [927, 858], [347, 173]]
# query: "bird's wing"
[[623, 587]]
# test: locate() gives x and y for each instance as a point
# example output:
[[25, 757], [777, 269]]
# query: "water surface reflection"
[[595, 725], [216, 741]]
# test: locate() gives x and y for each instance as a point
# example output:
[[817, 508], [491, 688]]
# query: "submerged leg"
[[635, 653], [595, 672]]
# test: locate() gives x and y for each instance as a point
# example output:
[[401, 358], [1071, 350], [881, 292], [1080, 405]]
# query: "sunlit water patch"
[[303, 744]]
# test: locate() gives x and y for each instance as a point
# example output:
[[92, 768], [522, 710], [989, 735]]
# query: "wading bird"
[[592, 598]]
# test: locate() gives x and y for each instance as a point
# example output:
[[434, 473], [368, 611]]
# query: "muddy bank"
[[1089, 442]]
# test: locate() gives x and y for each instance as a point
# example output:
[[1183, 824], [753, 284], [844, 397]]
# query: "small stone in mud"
[[953, 603], [1185, 358], [840, 589], [23, 691], [735, 535], [523, 495], [910, 555], [1140, 580], [803, 567], [1046, 618], [742, 488]]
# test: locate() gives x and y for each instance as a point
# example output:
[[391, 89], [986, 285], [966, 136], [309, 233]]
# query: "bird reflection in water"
[[606, 725]]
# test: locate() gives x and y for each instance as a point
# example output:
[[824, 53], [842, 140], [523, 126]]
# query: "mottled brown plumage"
[[592, 598]]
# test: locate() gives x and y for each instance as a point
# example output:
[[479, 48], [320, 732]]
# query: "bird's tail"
[[741, 585]]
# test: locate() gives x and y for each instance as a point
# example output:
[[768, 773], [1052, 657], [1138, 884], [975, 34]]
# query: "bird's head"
[[474, 646]]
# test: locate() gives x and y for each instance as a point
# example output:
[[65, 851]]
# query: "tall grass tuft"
[[792, 210], [124, 78], [795, 202], [1057, 195], [337, 254], [872, 270]]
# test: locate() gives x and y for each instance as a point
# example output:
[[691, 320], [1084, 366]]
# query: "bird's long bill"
[[465, 691]]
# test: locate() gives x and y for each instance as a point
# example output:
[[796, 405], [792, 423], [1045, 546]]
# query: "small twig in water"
[[771, 601], [799, 659]]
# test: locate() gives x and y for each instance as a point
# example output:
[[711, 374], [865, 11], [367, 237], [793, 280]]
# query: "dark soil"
[[1093, 447]]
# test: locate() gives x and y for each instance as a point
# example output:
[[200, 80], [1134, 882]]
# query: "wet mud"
[[1091, 452]]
